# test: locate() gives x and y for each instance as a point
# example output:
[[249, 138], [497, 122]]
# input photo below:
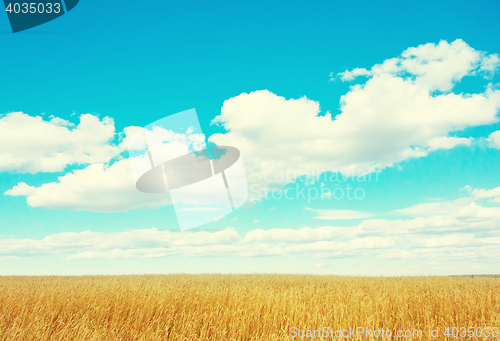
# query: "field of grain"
[[239, 307]]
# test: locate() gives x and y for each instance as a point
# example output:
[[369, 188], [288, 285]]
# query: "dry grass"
[[237, 307]]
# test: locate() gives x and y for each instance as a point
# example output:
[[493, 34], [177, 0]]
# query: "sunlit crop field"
[[240, 307]]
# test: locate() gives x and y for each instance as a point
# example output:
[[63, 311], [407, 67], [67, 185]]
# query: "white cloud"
[[490, 64], [460, 239], [464, 208], [494, 139], [490, 252], [493, 194], [434, 67], [446, 142], [100, 187], [97, 188], [22, 189], [354, 244], [304, 234], [395, 254], [453, 239], [150, 243], [478, 213], [159, 136], [30, 144], [354, 73], [91, 242], [461, 229], [187, 251], [393, 116], [235, 250], [441, 224], [435, 208], [142, 253]]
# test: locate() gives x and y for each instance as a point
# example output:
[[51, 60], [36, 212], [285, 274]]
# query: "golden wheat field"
[[242, 307]]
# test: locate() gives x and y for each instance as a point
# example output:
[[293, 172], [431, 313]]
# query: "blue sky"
[[426, 213]]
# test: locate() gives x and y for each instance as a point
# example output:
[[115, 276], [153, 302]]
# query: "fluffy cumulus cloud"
[[404, 109], [100, 186], [22, 189], [30, 144], [97, 187], [492, 194], [433, 67], [494, 139], [446, 142]]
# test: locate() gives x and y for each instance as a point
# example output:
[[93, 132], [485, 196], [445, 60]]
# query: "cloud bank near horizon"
[[463, 229]]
